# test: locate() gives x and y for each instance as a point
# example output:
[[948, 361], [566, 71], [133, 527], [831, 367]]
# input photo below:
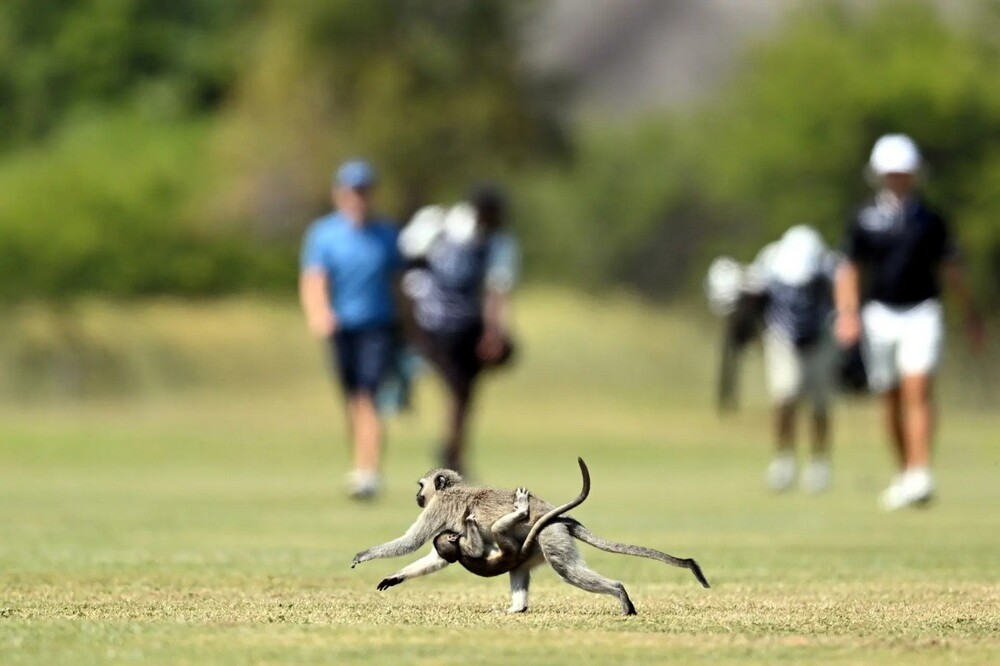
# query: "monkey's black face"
[[421, 500]]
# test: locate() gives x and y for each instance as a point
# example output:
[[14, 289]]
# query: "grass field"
[[208, 524]]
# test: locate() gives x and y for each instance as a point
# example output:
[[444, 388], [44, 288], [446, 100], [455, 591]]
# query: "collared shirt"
[[360, 262], [899, 246]]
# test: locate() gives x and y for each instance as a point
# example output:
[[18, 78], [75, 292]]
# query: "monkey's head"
[[434, 482], [446, 545]]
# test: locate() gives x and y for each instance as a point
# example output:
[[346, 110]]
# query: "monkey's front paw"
[[359, 558], [386, 583], [521, 497]]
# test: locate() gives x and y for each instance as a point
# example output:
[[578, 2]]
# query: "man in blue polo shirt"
[[888, 296], [348, 266]]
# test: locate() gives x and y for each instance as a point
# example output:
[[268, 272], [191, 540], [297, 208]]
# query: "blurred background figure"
[[743, 313], [794, 278], [348, 267], [465, 266], [785, 297], [888, 294]]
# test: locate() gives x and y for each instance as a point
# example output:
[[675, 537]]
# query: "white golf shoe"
[[781, 472], [363, 484], [914, 487], [817, 475]]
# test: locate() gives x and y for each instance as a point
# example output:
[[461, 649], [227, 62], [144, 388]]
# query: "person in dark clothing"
[[466, 265], [887, 293]]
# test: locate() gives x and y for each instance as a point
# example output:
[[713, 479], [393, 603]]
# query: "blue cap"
[[356, 174]]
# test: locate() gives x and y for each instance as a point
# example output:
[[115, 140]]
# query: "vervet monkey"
[[447, 501]]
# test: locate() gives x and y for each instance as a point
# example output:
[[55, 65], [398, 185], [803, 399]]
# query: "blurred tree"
[[432, 91], [180, 147], [60, 55]]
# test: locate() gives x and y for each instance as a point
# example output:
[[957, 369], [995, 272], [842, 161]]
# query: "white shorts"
[[900, 341], [794, 373]]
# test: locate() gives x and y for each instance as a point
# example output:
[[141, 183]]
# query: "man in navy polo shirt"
[[898, 248], [348, 266]]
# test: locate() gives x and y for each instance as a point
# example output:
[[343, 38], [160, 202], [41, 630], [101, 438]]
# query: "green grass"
[[209, 525]]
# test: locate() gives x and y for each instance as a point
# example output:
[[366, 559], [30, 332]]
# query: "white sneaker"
[[919, 485], [911, 488], [817, 476], [781, 472], [363, 484]]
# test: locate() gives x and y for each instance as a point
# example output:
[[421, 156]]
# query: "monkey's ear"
[[440, 482]]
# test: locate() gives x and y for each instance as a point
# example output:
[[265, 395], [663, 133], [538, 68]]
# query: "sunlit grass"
[[206, 522]]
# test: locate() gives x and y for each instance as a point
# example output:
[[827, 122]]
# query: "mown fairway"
[[209, 525]]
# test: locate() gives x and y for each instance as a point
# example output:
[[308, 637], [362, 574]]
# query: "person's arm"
[[501, 275], [315, 300], [954, 278], [847, 298], [496, 311]]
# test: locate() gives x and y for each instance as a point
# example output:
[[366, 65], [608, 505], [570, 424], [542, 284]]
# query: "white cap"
[[895, 153], [798, 256]]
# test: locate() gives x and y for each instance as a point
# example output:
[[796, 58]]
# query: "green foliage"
[[109, 206], [181, 147], [430, 91], [60, 55], [787, 141]]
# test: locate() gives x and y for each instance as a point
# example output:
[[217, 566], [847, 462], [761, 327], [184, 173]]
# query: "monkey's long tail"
[[583, 534], [529, 540]]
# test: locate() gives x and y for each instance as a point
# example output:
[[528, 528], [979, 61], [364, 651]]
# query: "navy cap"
[[356, 175]]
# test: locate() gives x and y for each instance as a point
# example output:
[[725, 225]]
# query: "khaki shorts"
[[795, 373]]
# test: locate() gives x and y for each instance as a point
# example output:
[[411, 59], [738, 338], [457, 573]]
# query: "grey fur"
[[447, 502], [498, 550]]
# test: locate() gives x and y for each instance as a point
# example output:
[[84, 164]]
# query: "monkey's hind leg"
[[503, 528], [562, 555]]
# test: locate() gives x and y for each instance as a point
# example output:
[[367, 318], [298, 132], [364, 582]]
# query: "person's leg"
[[918, 422], [372, 356], [819, 361], [453, 449], [821, 432], [918, 356], [893, 415], [784, 428], [821, 387], [367, 431], [784, 379], [454, 355], [882, 329]]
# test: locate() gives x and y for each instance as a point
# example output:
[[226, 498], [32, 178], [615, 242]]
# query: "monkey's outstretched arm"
[[427, 564], [418, 534]]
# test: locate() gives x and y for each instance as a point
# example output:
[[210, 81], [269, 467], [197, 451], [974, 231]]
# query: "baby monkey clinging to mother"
[[499, 550]]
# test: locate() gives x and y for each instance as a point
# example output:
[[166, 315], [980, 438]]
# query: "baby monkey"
[[499, 550]]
